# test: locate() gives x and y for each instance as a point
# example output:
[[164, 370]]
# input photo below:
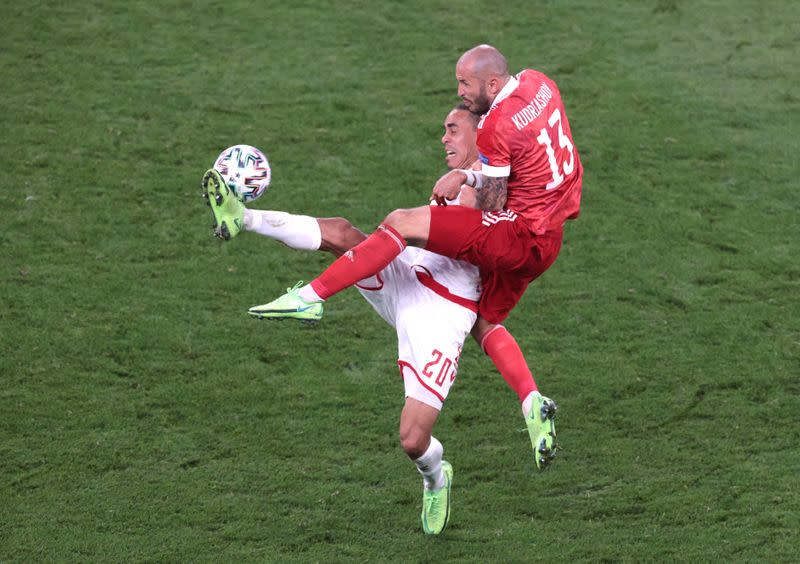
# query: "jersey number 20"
[[444, 370]]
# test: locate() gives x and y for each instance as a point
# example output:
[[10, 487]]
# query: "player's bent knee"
[[412, 224], [397, 219]]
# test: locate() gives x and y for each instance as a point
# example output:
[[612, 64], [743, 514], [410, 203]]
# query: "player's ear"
[[494, 82]]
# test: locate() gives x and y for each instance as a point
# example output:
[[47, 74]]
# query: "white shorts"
[[430, 328]]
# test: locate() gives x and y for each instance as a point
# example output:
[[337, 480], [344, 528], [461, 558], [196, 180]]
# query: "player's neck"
[[500, 85]]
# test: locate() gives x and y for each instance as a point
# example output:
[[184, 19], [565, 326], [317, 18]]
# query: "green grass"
[[145, 417]]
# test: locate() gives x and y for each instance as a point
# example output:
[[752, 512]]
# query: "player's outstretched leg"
[[289, 306], [226, 208], [542, 429], [436, 504]]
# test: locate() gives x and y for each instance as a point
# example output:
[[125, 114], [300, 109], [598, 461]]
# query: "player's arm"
[[492, 193], [494, 155], [448, 186], [468, 196]]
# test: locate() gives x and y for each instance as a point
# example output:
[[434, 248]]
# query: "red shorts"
[[509, 255]]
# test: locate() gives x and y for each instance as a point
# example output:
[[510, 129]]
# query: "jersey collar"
[[510, 86]]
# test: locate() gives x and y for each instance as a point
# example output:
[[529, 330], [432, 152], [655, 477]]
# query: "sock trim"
[[319, 289], [309, 295], [432, 479], [486, 336], [393, 233]]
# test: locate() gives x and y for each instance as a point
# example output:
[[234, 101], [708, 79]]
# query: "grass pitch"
[[145, 417]]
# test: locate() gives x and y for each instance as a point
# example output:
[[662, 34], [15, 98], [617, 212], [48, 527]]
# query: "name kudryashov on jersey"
[[526, 137]]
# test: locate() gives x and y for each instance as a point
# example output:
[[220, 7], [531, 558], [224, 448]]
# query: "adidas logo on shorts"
[[490, 218]]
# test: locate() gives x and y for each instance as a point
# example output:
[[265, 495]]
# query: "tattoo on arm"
[[492, 195]]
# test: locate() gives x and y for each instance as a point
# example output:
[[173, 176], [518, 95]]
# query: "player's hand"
[[448, 186], [468, 197]]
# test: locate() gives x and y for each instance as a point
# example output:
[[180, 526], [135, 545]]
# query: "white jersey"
[[461, 278], [432, 302]]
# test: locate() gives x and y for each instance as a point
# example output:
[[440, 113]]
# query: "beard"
[[481, 104]]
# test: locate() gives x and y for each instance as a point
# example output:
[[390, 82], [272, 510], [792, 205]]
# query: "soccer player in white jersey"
[[431, 300]]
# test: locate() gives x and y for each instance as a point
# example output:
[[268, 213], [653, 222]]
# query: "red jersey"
[[525, 136]]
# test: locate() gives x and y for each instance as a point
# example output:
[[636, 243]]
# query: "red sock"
[[504, 351], [369, 257]]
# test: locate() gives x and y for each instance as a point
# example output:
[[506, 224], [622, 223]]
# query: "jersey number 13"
[[564, 142]]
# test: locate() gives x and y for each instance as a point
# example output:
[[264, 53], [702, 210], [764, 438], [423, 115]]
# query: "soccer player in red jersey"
[[528, 186]]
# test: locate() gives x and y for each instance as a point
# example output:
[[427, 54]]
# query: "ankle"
[[308, 295], [527, 403]]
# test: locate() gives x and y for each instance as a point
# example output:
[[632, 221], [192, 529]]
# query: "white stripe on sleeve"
[[496, 171]]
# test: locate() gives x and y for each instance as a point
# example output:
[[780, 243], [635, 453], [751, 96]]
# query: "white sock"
[[430, 466], [527, 404], [295, 231], [308, 294]]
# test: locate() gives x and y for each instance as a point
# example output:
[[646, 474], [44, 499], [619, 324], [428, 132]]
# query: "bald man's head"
[[485, 62], [481, 73]]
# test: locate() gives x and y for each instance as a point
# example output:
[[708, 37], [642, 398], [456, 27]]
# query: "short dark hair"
[[474, 118]]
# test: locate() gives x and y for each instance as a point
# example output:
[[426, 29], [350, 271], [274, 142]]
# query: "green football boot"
[[289, 306], [542, 429], [436, 504], [226, 208]]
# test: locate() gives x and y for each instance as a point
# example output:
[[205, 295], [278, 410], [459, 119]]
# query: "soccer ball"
[[245, 170]]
